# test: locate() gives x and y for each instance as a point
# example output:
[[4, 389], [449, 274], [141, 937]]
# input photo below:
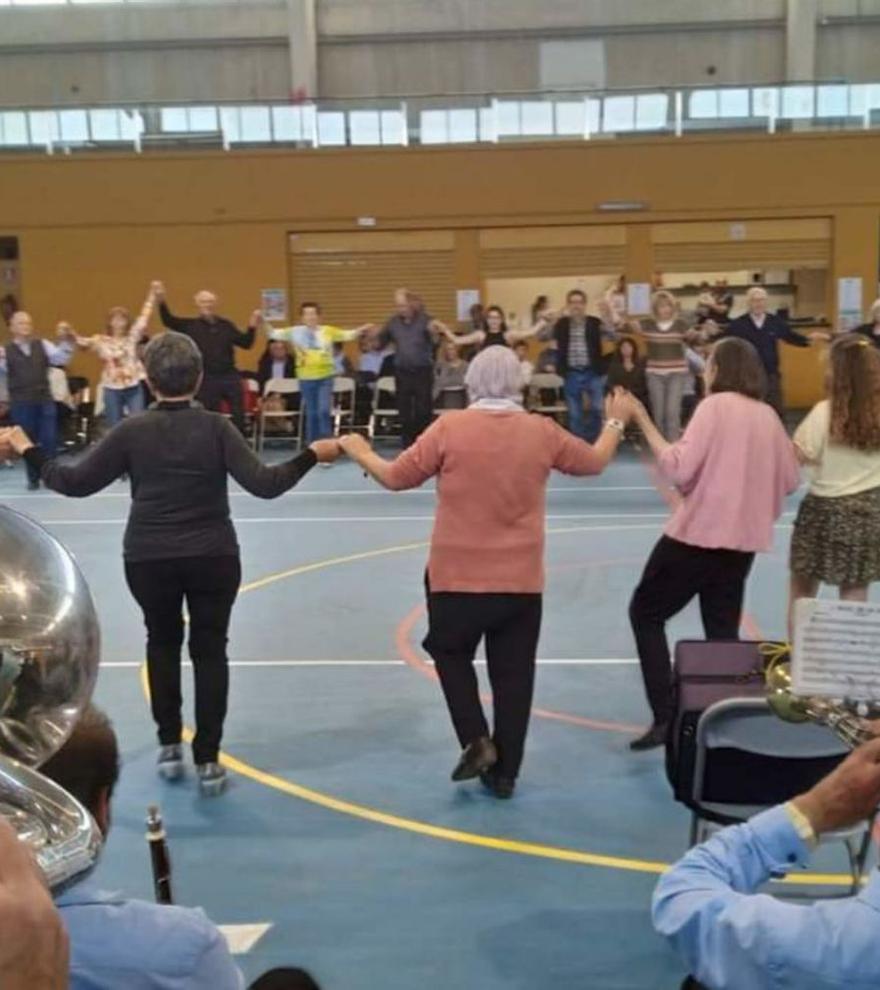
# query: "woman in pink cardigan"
[[486, 566], [733, 468]]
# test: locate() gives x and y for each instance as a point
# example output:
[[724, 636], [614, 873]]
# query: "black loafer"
[[477, 758], [654, 738], [500, 787]]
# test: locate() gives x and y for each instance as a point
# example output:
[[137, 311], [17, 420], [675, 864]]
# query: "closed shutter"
[[741, 255], [355, 278], [525, 262]]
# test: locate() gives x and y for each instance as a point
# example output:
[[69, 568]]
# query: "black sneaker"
[[170, 762], [498, 785], [212, 779], [476, 758], [654, 738]]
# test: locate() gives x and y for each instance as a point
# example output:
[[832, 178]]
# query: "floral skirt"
[[837, 540]]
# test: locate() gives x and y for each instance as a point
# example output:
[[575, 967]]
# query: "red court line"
[[407, 653]]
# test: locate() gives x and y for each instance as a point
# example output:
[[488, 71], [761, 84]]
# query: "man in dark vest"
[[580, 363], [27, 361]]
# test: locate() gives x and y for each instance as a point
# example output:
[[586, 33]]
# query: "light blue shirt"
[[56, 354], [734, 939], [117, 943]]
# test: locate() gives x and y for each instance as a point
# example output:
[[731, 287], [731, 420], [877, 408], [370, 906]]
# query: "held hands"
[[327, 451], [64, 331], [354, 445], [848, 795], [624, 406], [157, 289], [257, 319]]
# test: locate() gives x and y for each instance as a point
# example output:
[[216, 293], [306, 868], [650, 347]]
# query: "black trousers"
[[415, 402], [774, 394], [223, 388], [511, 624], [675, 574], [209, 586]]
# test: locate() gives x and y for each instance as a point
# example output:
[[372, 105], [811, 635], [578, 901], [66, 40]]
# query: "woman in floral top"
[[123, 372]]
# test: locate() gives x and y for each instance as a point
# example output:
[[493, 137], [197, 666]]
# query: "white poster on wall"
[[638, 298], [849, 303], [464, 299], [274, 305]]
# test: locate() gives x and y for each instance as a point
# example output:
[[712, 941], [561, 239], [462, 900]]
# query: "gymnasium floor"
[[341, 831]]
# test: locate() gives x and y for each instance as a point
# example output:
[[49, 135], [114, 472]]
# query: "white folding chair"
[[344, 389], [385, 410], [285, 387], [749, 726], [537, 399]]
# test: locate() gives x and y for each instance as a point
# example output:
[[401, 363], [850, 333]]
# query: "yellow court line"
[[378, 817]]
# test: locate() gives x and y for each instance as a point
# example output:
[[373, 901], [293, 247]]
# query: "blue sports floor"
[[341, 830]]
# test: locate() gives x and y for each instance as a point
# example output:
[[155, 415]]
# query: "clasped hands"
[[351, 444], [625, 406]]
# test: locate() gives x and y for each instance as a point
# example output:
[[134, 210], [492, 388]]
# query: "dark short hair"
[[87, 765], [174, 364], [738, 369], [286, 979], [576, 292], [310, 305]]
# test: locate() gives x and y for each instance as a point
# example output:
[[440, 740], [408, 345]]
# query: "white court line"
[[317, 493], [360, 519], [574, 662]]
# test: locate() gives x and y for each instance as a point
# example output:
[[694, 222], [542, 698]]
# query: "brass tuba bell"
[[49, 651]]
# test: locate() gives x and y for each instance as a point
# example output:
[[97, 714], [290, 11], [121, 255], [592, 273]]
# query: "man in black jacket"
[[217, 338], [580, 363], [763, 331]]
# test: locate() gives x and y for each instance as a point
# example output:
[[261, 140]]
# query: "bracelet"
[[616, 424]]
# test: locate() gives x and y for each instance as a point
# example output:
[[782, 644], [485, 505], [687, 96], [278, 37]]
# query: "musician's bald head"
[[87, 765]]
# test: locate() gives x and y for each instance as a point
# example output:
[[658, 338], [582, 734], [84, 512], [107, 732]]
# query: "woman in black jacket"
[[180, 544]]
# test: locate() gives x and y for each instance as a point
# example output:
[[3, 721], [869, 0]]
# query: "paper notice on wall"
[[849, 302], [464, 300], [638, 298], [274, 305], [836, 650]]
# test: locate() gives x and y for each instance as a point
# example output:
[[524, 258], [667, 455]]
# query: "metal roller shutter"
[[723, 255], [525, 262]]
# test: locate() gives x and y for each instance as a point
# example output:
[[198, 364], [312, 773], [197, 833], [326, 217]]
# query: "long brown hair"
[[738, 369], [855, 393]]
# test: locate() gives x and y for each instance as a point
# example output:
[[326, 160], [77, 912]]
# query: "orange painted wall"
[[94, 229]]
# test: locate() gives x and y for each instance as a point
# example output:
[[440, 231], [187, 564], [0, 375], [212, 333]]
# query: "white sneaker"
[[170, 762], [212, 779]]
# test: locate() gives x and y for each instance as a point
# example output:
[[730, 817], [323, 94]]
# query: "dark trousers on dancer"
[[224, 388], [511, 624], [415, 401], [208, 586], [675, 574]]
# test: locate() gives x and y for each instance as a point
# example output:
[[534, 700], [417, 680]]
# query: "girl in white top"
[[836, 538]]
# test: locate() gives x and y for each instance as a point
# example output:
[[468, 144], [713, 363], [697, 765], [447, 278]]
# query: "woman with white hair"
[[871, 330], [485, 574]]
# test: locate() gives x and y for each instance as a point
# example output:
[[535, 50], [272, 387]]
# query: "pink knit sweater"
[[492, 469]]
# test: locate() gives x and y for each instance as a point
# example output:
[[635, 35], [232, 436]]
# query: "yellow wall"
[[95, 229]]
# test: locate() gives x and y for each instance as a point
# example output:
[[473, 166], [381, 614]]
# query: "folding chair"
[[451, 398], [544, 395], [287, 388], [749, 760], [343, 404], [384, 409]]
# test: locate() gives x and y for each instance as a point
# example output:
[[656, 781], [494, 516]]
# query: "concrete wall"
[[241, 49]]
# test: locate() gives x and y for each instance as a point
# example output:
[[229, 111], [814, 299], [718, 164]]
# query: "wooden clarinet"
[[159, 858]]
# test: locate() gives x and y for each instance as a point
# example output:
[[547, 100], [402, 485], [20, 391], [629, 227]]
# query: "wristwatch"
[[616, 424]]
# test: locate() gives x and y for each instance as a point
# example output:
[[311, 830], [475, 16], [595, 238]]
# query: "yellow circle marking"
[[377, 817]]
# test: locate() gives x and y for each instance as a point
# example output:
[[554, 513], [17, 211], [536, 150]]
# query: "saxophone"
[[846, 725], [49, 650]]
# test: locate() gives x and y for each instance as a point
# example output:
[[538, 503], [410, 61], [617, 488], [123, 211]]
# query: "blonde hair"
[[663, 296]]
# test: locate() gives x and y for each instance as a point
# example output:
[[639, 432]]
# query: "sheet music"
[[836, 650]]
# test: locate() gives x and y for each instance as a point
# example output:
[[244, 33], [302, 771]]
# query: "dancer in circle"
[[180, 545], [216, 338], [733, 468], [494, 331], [836, 538], [485, 575], [118, 349]]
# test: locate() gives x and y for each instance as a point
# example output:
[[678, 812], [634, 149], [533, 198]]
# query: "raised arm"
[[59, 354], [245, 338], [96, 469], [143, 318], [265, 480]]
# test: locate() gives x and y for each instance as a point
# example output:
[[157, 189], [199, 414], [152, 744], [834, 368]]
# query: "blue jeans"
[[118, 401], [578, 383], [317, 397], [40, 421]]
